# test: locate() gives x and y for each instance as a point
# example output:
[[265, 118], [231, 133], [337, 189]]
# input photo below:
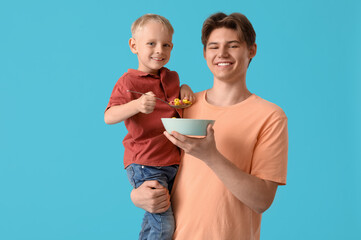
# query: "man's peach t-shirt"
[[251, 134]]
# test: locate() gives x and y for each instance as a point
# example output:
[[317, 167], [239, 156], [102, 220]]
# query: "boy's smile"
[[153, 45]]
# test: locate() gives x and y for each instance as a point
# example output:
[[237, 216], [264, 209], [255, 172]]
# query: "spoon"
[[171, 105]]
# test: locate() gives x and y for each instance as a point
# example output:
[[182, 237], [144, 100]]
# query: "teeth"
[[158, 59], [223, 64]]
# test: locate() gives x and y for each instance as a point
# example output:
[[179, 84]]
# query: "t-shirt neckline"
[[245, 101]]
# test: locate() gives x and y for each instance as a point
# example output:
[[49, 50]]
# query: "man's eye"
[[212, 46], [233, 46]]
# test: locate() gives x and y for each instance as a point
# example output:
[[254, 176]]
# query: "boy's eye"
[[233, 46], [151, 43], [166, 45]]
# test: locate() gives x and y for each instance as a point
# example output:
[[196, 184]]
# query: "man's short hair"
[[140, 22], [235, 21]]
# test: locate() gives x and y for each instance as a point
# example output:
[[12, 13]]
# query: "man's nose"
[[223, 52]]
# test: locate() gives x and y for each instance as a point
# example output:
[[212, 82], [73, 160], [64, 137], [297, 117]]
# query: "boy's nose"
[[159, 49]]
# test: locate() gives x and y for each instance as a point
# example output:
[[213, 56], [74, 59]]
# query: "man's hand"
[[151, 196], [201, 148], [146, 103]]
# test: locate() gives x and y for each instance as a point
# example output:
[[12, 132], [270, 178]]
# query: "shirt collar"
[[144, 74]]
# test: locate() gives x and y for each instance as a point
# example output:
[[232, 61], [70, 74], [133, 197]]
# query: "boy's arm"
[[186, 92], [116, 114]]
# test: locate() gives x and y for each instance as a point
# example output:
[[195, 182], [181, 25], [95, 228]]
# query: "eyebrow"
[[229, 42]]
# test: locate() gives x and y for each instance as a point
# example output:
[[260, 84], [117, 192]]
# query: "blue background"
[[61, 169]]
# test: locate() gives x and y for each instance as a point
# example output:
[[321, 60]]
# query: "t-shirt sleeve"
[[270, 154], [119, 94]]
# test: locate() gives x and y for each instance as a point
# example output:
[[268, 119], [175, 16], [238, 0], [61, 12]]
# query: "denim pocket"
[[130, 174]]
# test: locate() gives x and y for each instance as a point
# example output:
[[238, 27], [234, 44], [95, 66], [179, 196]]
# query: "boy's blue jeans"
[[155, 226]]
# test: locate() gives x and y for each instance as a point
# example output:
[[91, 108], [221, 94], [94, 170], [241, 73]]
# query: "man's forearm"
[[256, 193]]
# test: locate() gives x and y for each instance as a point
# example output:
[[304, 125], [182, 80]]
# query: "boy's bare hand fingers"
[[148, 100], [150, 94], [147, 106]]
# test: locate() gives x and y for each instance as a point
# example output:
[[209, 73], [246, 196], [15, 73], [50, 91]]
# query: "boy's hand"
[[146, 103], [186, 92]]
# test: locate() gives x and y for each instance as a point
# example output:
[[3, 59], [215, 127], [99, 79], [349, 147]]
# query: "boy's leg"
[[145, 230], [157, 226], [135, 177], [161, 225]]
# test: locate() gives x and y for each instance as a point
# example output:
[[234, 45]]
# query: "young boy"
[[149, 155]]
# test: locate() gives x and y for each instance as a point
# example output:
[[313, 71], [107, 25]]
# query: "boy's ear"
[[133, 46], [204, 53]]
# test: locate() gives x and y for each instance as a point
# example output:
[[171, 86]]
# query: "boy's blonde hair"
[[140, 22]]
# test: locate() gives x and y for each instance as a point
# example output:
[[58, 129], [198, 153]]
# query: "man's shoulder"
[[268, 107], [199, 94]]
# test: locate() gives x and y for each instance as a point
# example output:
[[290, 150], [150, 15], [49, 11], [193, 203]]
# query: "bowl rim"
[[187, 119]]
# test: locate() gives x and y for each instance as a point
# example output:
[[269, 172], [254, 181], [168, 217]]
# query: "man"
[[229, 178]]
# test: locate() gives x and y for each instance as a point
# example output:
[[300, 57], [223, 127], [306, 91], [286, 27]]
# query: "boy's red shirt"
[[145, 142]]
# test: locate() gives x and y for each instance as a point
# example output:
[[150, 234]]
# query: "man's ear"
[[204, 53], [133, 45], [252, 50]]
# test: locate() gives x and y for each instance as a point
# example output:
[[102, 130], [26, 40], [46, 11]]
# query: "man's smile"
[[223, 64]]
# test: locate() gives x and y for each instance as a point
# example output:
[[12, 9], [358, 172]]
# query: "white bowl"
[[187, 126]]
